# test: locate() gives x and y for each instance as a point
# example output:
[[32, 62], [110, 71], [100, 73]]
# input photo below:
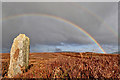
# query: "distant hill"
[[116, 52]]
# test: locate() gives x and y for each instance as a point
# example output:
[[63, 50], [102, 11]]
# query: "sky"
[[60, 0], [46, 23]]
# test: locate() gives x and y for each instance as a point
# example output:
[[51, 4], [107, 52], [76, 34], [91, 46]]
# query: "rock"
[[19, 55]]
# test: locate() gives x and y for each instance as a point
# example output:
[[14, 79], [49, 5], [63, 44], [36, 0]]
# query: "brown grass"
[[68, 65]]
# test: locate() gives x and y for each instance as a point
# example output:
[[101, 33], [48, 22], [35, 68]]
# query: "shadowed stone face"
[[16, 54], [19, 55]]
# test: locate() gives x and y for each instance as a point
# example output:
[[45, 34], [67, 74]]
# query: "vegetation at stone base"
[[71, 65]]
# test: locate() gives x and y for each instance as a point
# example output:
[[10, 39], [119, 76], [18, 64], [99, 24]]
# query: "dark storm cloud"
[[43, 30]]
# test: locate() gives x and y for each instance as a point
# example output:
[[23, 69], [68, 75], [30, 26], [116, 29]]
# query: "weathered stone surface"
[[19, 55]]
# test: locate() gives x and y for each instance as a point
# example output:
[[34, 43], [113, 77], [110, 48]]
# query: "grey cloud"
[[0, 34], [43, 30]]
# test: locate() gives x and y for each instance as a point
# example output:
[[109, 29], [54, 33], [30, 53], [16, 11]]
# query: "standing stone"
[[19, 55]]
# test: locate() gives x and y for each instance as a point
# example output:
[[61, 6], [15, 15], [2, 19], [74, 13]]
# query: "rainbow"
[[97, 17], [58, 18]]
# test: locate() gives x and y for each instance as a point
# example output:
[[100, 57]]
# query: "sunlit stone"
[[19, 55]]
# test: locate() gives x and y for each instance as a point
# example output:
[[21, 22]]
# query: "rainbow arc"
[[57, 18]]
